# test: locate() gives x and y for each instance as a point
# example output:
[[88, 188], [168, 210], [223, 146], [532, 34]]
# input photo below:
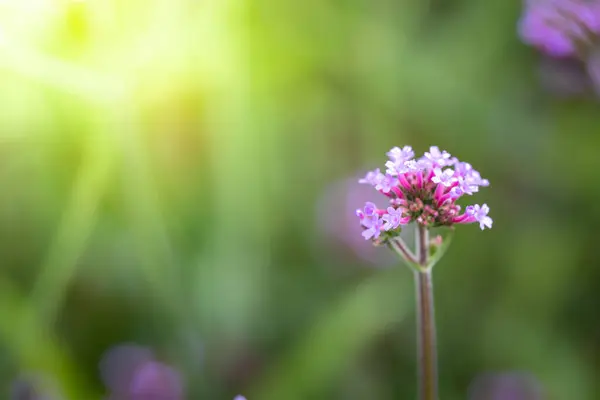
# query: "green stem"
[[426, 332], [398, 245]]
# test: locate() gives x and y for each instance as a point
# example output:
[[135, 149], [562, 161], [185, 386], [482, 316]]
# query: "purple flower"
[[393, 218], [465, 186], [118, 365], [437, 157], [480, 214], [385, 183], [130, 372], [371, 177], [466, 171], [370, 209], [463, 169], [396, 169], [155, 380], [399, 160], [239, 397], [445, 177], [422, 191], [468, 179], [401, 155], [558, 27], [373, 225]]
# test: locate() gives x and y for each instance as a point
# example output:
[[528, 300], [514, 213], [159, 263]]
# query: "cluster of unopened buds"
[[423, 190]]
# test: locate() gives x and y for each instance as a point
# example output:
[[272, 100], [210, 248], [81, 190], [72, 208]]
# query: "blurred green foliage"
[[162, 165]]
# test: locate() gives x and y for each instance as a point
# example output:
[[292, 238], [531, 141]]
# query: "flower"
[[393, 219], [480, 215], [371, 177], [560, 28], [438, 158], [399, 160], [445, 177], [131, 372], [369, 209], [401, 155], [385, 183], [373, 225], [156, 380], [424, 191]]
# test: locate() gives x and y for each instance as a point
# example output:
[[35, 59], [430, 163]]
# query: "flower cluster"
[[561, 28], [423, 190]]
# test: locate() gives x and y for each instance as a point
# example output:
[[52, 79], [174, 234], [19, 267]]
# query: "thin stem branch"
[[426, 332], [403, 250]]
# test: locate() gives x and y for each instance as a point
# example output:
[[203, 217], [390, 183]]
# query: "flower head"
[[424, 191]]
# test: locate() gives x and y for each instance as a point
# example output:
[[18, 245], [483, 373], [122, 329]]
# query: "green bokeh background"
[[162, 170]]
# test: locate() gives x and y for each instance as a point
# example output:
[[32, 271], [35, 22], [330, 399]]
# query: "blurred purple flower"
[[155, 380], [567, 33], [506, 386], [23, 390], [130, 372], [119, 364], [560, 28]]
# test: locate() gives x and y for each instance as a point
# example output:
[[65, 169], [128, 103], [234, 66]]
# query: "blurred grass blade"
[[76, 225], [338, 336]]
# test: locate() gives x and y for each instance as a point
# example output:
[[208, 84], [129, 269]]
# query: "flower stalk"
[[425, 192], [426, 331]]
